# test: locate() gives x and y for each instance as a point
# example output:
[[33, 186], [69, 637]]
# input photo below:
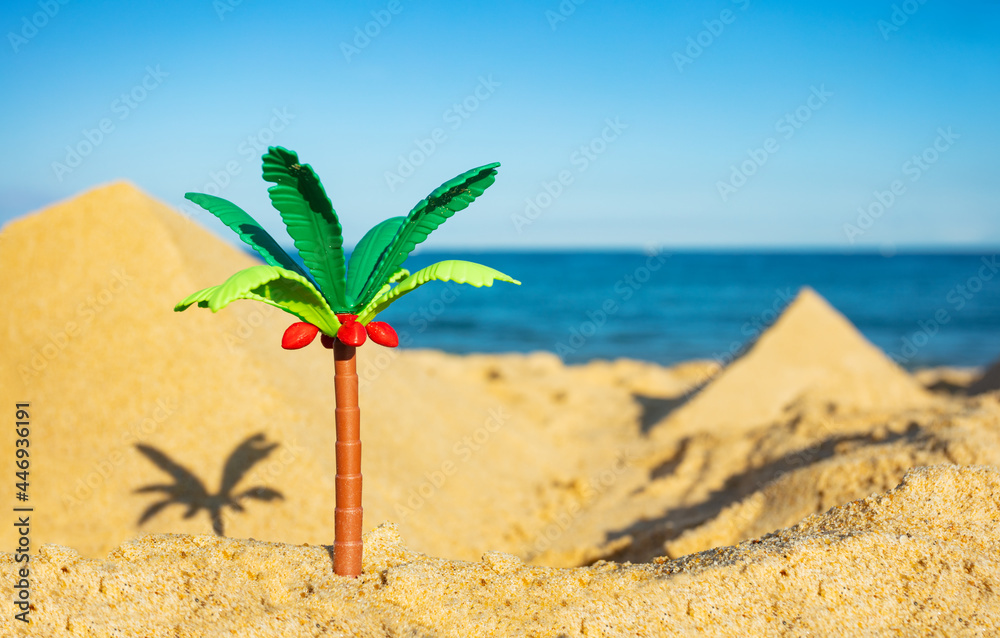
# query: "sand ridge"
[[885, 564]]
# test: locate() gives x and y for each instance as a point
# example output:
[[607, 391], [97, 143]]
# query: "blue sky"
[[716, 124]]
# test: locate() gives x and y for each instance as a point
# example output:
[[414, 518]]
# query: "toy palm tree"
[[336, 300]]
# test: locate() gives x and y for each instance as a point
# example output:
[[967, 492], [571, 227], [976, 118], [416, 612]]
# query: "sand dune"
[[522, 467]]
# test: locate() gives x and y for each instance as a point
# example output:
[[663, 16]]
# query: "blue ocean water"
[[921, 309]]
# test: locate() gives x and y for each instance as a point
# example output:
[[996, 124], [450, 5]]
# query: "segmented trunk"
[[347, 516]]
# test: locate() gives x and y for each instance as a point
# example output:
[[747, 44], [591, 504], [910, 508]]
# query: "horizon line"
[[908, 250]]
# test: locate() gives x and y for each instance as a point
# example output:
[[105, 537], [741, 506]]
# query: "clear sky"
[[713, 124]]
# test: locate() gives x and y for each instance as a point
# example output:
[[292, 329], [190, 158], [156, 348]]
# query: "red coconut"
[[382, 334], [298, 335], [352, 333]]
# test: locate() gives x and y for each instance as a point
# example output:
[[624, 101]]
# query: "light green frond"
[[462, 272], [274, 286], [399, 275]]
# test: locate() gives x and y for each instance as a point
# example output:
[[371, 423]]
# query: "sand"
[[918, 560], [491, 482], [988, 381]]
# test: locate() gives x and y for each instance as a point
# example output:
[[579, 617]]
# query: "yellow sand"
[[921, 559], [517, 457]]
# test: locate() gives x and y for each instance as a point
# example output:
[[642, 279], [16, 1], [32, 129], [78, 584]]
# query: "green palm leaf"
[[248, 229], [307, 212], [462, 272], [365, 256], [274, 286], [401, 274], [454, 195]]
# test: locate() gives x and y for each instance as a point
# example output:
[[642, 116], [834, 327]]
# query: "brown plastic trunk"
[[348, 515]]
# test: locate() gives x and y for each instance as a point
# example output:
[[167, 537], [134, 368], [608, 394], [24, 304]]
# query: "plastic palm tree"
[[338, 299]]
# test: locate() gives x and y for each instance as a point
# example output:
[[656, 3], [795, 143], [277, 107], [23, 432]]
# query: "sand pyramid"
[[456, 453], [812, 355], [96, 348]]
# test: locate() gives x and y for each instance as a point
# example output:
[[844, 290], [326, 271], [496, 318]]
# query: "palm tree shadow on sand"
[[188, 490]]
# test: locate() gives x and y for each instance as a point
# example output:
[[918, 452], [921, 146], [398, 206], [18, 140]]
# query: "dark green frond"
[[366, 254], [311, 221], [452, 196], [248, 229]]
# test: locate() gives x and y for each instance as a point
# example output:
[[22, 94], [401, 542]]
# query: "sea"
[[921, 309]]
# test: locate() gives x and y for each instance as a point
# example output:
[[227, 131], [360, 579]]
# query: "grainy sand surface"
[[810, 488]]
